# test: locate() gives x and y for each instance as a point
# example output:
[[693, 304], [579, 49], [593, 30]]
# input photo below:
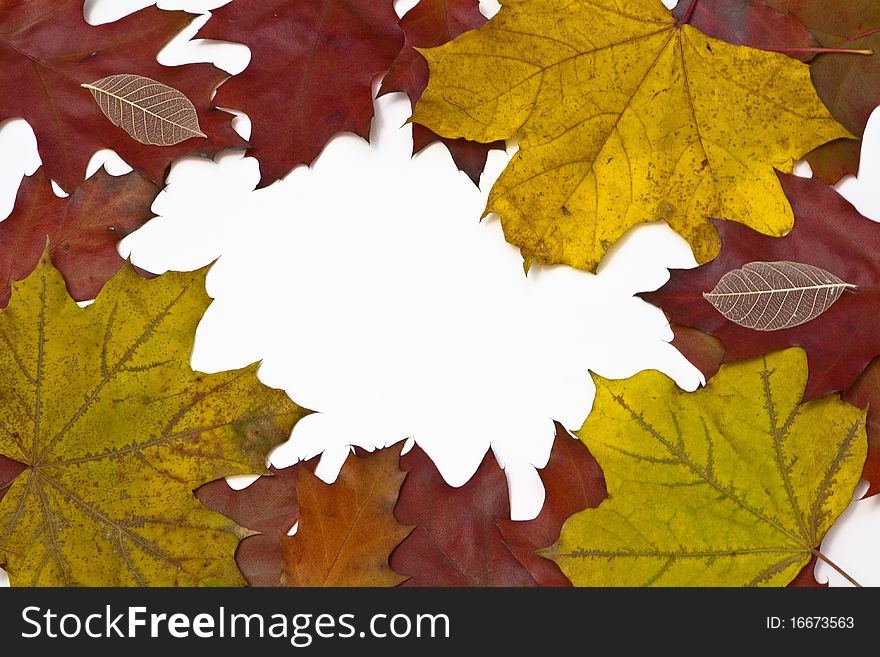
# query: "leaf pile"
[[113, 451]]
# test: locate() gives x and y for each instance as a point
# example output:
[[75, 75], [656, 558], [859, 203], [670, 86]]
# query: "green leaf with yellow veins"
[[115, 430], [732, 485], [623, 117]]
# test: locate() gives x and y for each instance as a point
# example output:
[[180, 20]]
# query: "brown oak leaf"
[[346, 529]]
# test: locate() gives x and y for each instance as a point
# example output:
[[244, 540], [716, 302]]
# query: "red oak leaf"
[[456, 542], [310, 75], [47, 51], [429, 24], [83, 229], [828, 233], [465, 536], [573, 481]]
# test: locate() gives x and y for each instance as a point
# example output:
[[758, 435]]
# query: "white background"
[[372, 293]]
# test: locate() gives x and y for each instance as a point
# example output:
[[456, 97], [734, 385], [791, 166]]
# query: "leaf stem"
[[817, 51], [864, 35], [689, 13], [840, 570]]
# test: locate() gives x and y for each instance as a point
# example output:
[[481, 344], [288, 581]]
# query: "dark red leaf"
[[848, 84], [82, 229], [429, 24], [750, 23], [866, 394], [705, 352], [573, 481], [806, 579], [456, 542], [465, 536], [9, 470], [828, 233], [310, 75], [836, 159], [47, 50], [469, 156]]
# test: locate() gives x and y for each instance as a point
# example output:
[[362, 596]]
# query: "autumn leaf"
[[464, 536], [116, 431], [843, 78], [47, 51], [848, 84], [833, 161], [750, 23], [573, 481], [9, 470], [623, 118], [310, 75], [735, 484], [773, 296], [347, 529], [82, 229], [829, 233], [704, 351], [432, 23], [268, 506], [149, 111], [865, 393], [456, 541]]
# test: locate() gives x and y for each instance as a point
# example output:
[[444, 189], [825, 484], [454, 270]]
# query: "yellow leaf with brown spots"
[[733, 485], [114, 430], [623, 116]]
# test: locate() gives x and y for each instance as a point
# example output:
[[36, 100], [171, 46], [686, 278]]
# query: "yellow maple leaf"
[[733, 485], [623, 117], [115, 430]]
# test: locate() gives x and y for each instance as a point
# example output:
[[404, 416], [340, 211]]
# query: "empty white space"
[[373, 294]]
